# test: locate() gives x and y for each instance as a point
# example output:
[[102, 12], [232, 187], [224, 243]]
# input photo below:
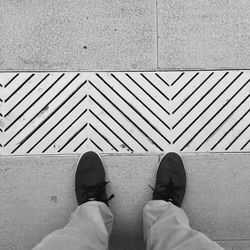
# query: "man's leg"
[[91, 224], [166, 225], [90, 227]]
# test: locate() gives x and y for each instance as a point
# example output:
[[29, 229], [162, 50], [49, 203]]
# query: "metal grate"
[[124, 112]]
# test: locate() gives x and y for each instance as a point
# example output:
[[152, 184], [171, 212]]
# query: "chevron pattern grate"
[[124, 112]]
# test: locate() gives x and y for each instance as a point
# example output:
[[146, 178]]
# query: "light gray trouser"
[[165, 227]]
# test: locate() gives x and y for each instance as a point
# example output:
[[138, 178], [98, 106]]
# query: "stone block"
[[77, 35], [203, 34]]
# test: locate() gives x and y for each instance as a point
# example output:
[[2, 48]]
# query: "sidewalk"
[[37, 197]]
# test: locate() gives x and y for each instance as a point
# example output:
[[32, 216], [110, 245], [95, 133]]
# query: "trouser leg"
[[89, 227], [166, 227]]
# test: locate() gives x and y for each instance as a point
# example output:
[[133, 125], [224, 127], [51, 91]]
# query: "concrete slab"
[[77, 35], [235, 245], [37, 197], [203, 34], [217, 200]]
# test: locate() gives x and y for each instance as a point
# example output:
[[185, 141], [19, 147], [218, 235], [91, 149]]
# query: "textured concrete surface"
[[77, 35], [122, 35], [235, 245], [203, 34], [37, 196]]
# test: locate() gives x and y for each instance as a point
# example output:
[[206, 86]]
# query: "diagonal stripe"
[[97, 146], [80, 144], [153, 113], [237, 137], [10, 81], [200, 101], [192, 93], [177, 79], [72, 137], [33, 103], [13, 93], [162, 79], [53, 127], [142, 131], [221, 122], [111, 131], [205, 111], [108, 113], [245, 145], [184, 86], [208, 108], [152, 126], [226, 117], [44, 108], [96, 130], [51, 114], [64, 131], [154, 86], [147, 94], [25, 96], [231, 128]]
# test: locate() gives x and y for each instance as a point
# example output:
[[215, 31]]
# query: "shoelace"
[[95, 192], [168, 191]]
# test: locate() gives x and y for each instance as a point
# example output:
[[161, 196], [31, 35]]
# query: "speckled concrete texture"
[[203, 34], [37, 196], [77, 35], [122, 35], [217, 194], [235, 245]]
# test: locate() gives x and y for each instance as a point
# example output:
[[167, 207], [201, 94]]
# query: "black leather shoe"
[[170, 180], [90, 181]]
